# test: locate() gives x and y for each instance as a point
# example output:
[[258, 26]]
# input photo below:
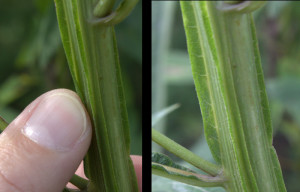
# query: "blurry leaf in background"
[[273, 9], [42, 42], [14, 87], [161, 32], [3, 124], [162, 113], [178, 68], [14, 18], [161, 184], [286, 91]]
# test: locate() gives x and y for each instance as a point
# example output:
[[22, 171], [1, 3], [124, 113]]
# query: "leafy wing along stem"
[[231, 92]]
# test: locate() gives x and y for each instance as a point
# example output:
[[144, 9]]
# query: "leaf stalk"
[[185, 154]]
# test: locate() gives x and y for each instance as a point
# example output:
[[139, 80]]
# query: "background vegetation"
[[32, 59], [278, 32]]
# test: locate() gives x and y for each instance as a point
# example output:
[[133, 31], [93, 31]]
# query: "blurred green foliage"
[[278, 31], [32, 59]]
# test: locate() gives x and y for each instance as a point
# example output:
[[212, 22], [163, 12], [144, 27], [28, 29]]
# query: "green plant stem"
[[79, 182], [72, 190], [230, 86], [185, 154], [66, 190], [92, 55]]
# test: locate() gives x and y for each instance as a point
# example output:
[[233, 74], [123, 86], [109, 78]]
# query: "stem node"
[[115, 17], [241, 6]]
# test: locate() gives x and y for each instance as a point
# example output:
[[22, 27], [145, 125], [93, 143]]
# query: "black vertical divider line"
[[146, 92]]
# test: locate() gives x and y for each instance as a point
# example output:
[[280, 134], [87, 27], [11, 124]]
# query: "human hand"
[[42, 148]]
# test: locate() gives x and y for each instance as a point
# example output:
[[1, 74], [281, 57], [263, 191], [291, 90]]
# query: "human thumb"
[[42, 148]]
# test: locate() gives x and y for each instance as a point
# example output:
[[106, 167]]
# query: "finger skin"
[[25, 165], [137, 163]]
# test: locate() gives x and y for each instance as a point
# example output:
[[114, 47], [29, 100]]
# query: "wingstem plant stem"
[[229, 81], [185, 154], [92, 55]]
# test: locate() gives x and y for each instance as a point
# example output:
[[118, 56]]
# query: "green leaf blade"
[[3, 124], [164, 166], [165, 160]]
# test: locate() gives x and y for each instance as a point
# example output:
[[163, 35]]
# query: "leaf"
[[42, 42], [3, 124], [9, 113], [164, 112], [164, 166], [14, 87], [162, 184], [165, 160]]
